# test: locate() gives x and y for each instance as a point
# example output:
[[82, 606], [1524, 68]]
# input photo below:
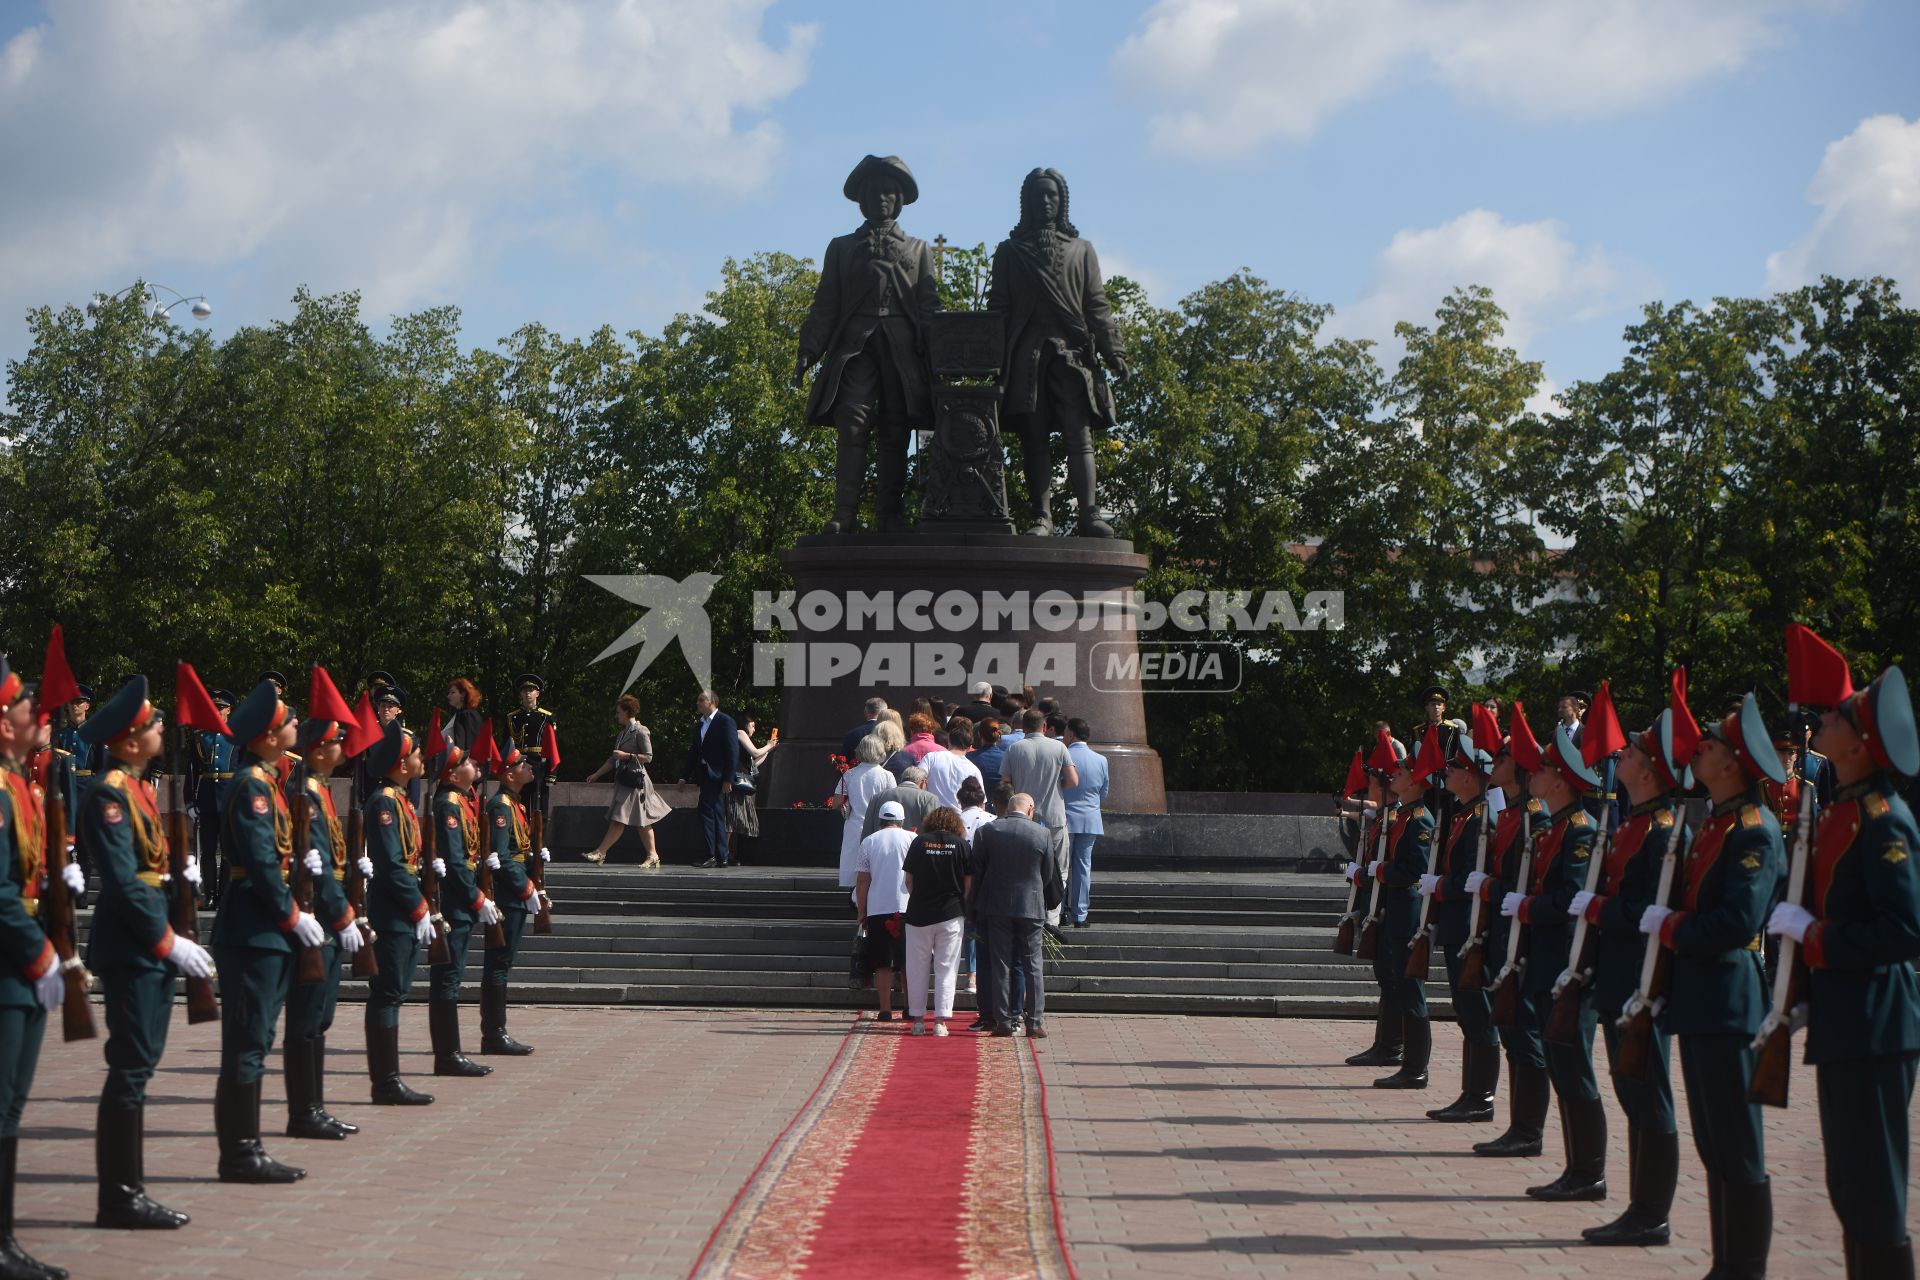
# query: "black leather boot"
[[1880, 1261], [236, 1123], [1583, 1124], [1747, 1231], [1417, 1035], [1385, 1049], [303, 1108], [318, 1048], [1475, 1103], [493, 1023], [443, 1022], [16, 1263], [1653, 1169], [119, 1154], [383, 1064], [1527, 1094]]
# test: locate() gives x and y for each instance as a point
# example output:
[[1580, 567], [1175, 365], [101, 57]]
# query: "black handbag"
[[630, 773]]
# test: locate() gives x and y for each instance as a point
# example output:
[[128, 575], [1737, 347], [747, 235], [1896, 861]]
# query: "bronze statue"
[[867, 330], [1046, 279]]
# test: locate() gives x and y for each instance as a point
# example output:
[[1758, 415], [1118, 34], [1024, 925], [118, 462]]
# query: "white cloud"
[[393, 148], [1868, 190], [1229, 75], [1538, 276]]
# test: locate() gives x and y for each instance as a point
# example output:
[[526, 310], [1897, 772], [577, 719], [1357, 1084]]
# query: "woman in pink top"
[[920, 739]]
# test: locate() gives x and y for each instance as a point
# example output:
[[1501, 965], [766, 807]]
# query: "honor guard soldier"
[[84, 759], [1717, 1000], [310, 1006], [1812, 766], [396, 907], [457, 857], [130, 947], [256, 932], [1399, 875], [1468, 769], [528, 725], [509, 845], [1559, 777], [31, 984], [389, 707], [1522, 821], [1653, 777], [1860, 933], [209, 770], [1382, 764]]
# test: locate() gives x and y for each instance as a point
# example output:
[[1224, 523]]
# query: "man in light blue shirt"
[[1083, 818]]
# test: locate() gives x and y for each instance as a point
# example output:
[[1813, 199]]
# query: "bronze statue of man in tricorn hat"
[[867, 331]]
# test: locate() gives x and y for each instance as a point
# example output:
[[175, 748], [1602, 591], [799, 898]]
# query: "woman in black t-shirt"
[[938, 885]]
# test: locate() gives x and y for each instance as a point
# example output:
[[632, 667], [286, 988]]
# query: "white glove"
[[350, 939], [193, 812], [1578, 907], [1352, 872], [1475, 879], [440, 867], [423, 931], [190, 958], [1428, 883], [493, 862], [192, 874], [1650, 919], [1791, 920], [546, 854], [1510, 905], [307, 930], [76, 878], [366, 867], [50, 989], [313, 864], [489, 914]]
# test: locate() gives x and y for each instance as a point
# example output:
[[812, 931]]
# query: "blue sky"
[[592, 162]]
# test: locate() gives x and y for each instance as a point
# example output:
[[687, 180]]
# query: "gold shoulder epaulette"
[[116, 778], [261, 772], [1750, 815], [1663, 817], [1534, 806], [1579, 819], [1875, 804]]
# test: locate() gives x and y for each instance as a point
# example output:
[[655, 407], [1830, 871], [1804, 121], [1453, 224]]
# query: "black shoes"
[[1385, 1049], [119, 1153], [1417, 1037], [1653, 1169], [1583, 1128], [16, 1263], [443, 1024], [1527, 1096], [383, 1064], [493, 1023], [300, 1064], [236, 1122], [1479, 1074]]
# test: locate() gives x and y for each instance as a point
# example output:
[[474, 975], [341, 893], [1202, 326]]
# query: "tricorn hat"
[[881, 167]]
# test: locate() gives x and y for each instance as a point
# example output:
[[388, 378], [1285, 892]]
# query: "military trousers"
[[310, 1005], [1472, 1009], [1648, 1103], [444, 979], [21, 1031], [138, 1003], [253, 991], [1726, 1127], [399, 954], [498, 961], [1863, 1121]]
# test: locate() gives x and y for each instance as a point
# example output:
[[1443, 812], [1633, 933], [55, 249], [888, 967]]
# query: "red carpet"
[[915, 1157]]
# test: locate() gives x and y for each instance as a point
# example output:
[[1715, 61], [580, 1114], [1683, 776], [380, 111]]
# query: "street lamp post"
[[159, 311]]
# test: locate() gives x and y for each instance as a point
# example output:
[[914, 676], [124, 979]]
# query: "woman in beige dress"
[[635, 803]]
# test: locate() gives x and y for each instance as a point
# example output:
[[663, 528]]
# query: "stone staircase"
[[1187, 942]]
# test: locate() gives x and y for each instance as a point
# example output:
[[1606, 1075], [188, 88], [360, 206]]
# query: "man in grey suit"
[[1015, 871], [911, 795]]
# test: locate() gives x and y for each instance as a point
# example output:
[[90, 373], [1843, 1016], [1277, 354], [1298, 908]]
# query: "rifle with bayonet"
[[1349, 922], [56, 917], [1506, 993], [1420, 955], [437, 952], [184, 901], [309, 963], [1635, 1020], [1563, 1024], [1774, 1043], [1473, 952], [365, 963]]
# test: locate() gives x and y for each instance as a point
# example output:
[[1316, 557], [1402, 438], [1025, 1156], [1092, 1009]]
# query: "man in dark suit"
[[1015, 867], [981, 708], [711, 763], [851, 743]]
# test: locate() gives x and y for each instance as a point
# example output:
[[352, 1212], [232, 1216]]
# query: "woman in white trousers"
[[938, 885]]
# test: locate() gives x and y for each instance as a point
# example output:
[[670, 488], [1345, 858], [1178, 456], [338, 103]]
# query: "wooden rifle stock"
[[1656, 973], [1343, 935], [1369, 944], [437, 952], [537, 867], [1774, 1045], [56, 918], [1420, 955], [184, 905], [309, 963], [1473, 952], [1506, 995], [365, 963], [1563, 1024]]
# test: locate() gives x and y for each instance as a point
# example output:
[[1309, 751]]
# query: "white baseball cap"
[[892, 811]]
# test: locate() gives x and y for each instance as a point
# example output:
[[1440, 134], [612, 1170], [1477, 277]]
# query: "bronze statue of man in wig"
[[1046, 280], [867, 331]]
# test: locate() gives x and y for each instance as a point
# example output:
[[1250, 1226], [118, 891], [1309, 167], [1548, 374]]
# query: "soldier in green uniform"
[[210, 765], [1522, 821], [31, 984], [527, 726], [1399, 875], [1653, 778], [509, 845], [310, 1006], [255, 934], [1559, 778], [462, 905], [83, 760], [1717, 1001], [130, 947], [396, 908], [1860, 933], [1468, 768], [1384, 761]]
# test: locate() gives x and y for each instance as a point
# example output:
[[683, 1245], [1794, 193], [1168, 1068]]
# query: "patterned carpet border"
[[1007, 1236]]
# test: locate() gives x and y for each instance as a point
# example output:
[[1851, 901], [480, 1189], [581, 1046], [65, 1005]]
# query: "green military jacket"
[[256, 839], [459, 836], [1559, 872], [1725, 892], [25, 954], [323, 833], [1627, 885], [394, 900], [119, 827], [509, 836], [1864, 886], [1407, 842]]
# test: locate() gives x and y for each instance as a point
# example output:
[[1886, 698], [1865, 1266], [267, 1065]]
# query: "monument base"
[[1081, 640]]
